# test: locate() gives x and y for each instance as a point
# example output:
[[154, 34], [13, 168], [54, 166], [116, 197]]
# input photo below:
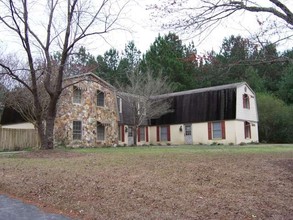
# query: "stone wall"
[[87, 112]]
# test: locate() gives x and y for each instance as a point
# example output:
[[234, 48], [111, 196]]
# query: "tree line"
[[268, 72]]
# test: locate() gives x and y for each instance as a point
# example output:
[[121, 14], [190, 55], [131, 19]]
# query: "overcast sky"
[[143, 31]]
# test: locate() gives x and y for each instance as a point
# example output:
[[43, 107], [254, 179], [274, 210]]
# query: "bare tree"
[[140, 97], [202, 16], [42, 27]]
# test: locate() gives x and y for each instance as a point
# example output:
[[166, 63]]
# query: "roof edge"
[[93, 75], [200, 90]]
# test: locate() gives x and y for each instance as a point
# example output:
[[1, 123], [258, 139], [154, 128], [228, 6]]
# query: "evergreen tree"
[[168, 55]]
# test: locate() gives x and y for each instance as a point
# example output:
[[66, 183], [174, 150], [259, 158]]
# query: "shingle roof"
[[193, 91]]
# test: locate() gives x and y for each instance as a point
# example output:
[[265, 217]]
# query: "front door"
[[188, 134], [130, 136]]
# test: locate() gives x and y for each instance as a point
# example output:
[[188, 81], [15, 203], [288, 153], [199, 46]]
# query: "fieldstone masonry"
[[87, 112]]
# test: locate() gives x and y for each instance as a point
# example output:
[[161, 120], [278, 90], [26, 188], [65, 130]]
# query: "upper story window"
[[100, 98], [76, 131], [119, 103], [141, 108], [76, 95], [246, 103]]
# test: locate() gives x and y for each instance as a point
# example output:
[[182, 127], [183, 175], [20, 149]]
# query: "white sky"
[[143, 31]]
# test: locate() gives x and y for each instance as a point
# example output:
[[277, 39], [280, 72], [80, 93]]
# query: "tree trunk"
[[50, 132], [41, 134], [46, 132]]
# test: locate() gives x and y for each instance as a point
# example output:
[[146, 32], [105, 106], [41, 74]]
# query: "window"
[[247, 130], [141, 108], [142, 133], [246, 103], [187, 130], [119, 103], [164, 133], [76, 130], [216, 130], [100, 98], [100, 131], [76, 95], [130, 132]]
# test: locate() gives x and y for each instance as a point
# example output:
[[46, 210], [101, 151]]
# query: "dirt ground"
[[153, 185]]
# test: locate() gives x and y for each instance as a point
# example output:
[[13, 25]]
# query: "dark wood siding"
[[200, 107], [10, 116]]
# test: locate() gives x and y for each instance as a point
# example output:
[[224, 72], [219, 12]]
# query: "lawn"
[[182, 182]]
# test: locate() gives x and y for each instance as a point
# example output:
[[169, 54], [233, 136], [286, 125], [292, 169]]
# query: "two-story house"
[[87, 112], [91, 114], [224, 114]]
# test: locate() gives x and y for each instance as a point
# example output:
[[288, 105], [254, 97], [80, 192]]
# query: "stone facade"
[[87, 113]]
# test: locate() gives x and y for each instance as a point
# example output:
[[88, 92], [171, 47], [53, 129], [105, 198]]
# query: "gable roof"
[[201, 90], [87, 78]]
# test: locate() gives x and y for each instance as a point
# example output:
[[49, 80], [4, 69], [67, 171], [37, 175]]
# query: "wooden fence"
[[18, 139]]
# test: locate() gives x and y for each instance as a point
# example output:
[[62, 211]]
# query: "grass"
[[166, 182], [198, 149]]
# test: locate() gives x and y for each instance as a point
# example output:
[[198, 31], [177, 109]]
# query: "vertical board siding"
[[18, 139]]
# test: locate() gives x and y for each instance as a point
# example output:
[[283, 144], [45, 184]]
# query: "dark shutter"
[[223, 130], [122, 133], [243, 99], [210, 130], [168, 133], [138, 134], [147, 133], [158, 133]]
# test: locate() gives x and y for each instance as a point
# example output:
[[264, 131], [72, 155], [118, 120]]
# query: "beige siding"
[[177, 136], [243, 113], [234, 132], [240, 134], [20, 126]]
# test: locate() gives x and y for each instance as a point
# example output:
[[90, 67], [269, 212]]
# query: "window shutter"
[[243, 99], [210, 130], [122, 133], [138, 134], [147, 133], [158, 133], [168, 133], [223, 130]]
